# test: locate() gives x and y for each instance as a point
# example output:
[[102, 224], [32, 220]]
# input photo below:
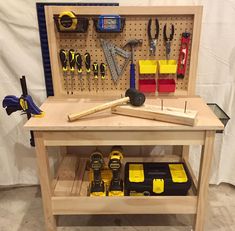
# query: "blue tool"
[[24, 103], [133, 43], [109, 23]]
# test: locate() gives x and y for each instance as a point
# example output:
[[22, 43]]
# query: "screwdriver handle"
[[78, 61], [95, 70], [71, 59], [63, 59], [102, 70], [88, 62]]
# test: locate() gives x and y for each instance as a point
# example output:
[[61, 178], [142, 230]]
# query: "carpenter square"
[[111, 51]]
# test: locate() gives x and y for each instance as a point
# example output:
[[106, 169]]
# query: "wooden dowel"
[[76, 116]]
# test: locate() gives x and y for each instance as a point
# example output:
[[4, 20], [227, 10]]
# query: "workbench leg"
[[45, 181], [185, 152], [203, 183]]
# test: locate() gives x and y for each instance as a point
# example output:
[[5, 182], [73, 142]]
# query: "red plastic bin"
[[166, 85], [147, 85]]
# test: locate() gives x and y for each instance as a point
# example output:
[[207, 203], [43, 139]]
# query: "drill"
[[115, 164], [97, 187]]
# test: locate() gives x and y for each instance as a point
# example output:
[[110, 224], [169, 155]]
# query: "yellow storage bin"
[[167, 66], [148, 66]]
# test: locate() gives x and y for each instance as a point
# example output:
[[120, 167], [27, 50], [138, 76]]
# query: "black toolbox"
[[152, 179]]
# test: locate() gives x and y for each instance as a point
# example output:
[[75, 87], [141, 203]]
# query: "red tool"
[[183, 56]]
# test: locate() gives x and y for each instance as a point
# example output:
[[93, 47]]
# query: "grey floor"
[[21, 210]]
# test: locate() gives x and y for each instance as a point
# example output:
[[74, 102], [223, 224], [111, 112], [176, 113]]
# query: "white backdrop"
[[20, 54]]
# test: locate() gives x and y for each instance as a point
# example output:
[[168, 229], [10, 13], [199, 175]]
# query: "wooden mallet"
[[133, 96]]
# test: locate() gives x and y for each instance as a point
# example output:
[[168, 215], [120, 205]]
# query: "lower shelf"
[[72, 181], [124, 205]]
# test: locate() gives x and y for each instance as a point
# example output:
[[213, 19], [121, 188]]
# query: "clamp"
[[153, 39], [168, 40]]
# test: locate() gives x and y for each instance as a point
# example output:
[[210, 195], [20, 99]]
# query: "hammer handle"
[[132, 75], [76, 116]]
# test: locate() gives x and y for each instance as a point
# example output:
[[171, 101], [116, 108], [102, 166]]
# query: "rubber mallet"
[[133, 96]]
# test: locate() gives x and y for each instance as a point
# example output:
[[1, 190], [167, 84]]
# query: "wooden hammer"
[[133, 96]]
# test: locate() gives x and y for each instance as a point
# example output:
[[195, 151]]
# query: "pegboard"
[[136, 23]]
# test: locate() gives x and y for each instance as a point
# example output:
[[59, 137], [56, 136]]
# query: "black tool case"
[[152, 179]]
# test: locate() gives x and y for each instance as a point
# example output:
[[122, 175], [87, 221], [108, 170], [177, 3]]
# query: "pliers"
[[153, 39], [168, 40]]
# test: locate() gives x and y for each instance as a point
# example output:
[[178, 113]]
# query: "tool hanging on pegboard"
[[72, 68], [153, 39], [133, 43], [102, 73], [183, 56], [78, 61], [95, 69], [87, 58], [111, 52], [64, 63], [168, 40]]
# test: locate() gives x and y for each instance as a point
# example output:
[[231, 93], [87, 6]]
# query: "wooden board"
[[68, 167], [152, 112], [56, 111], [124, 205], [69, 179], [185, 18]]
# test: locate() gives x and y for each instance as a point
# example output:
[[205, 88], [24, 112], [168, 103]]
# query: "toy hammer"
[[133, 96]]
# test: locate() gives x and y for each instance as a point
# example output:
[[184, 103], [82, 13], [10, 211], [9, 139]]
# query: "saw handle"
[[76, 116], [132, 75]]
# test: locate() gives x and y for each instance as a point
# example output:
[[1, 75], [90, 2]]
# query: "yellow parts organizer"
[[147, 66], [167, 66]]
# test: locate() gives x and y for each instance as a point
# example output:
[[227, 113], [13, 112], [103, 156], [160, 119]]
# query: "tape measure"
[[67, 21]]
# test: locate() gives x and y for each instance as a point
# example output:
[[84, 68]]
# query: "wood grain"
[[45, 181], [56, 111], [152, 112], [125, 205]]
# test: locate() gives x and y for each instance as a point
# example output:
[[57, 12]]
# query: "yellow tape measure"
[[67, 21]]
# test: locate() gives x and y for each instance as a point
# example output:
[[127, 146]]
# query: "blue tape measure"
[[109, 23]]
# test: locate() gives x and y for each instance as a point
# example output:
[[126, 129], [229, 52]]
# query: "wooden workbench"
[[106, 129]]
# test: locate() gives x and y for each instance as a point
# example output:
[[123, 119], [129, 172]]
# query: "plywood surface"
[[56, 111]]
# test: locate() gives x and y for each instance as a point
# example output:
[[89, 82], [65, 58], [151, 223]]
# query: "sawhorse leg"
[[45, 181]]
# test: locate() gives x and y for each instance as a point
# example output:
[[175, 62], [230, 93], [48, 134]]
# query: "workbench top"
[[57, 109]]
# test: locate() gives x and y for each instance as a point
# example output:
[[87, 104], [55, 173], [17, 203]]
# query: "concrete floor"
[[21, 210]]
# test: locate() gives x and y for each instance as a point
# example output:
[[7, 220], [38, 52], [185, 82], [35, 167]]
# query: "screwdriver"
[[78, 60], [96, 72], [72, 66], [64, 61], [102, 73], [88, 68]]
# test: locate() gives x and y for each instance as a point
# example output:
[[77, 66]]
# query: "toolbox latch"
[[136, 173], [178, 173], [158, 186]]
